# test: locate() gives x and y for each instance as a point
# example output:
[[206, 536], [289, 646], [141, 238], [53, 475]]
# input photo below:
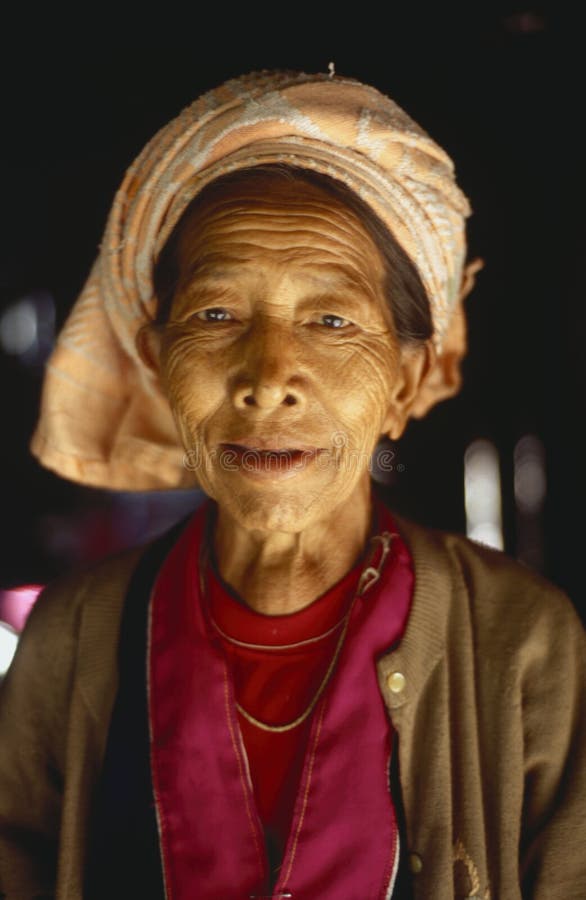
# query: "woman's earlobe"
[[444, 379], [416, 364]]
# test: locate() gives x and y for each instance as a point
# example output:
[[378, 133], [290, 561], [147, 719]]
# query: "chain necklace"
[[270, 647], [369, 576]]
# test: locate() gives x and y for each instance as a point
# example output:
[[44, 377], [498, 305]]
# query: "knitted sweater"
[[486, 692]]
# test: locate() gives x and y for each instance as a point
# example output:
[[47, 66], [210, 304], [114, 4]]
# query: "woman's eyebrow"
[[327, 279], [202, 273], [343, 284], [337, 281]]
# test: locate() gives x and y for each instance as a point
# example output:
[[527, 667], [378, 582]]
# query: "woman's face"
[[279, 338]]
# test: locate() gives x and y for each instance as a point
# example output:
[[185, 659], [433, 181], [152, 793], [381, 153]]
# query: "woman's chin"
[[281, 509]]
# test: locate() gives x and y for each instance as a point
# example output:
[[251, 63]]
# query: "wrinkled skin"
[[279, 330]]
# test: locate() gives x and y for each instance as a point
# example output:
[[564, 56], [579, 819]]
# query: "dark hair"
[[404, 290]]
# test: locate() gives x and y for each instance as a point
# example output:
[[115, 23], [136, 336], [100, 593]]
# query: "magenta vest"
[[343, 840]]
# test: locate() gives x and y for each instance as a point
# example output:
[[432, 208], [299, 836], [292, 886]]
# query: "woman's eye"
[[220, 314], [333, 321], [213, 314]]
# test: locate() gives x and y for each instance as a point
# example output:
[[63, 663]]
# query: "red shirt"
[[276, 683]]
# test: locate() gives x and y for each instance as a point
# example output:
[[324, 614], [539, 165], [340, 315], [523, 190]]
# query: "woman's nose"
[[268, 375]]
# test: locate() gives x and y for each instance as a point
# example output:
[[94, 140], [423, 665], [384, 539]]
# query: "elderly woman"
[[295, 693]]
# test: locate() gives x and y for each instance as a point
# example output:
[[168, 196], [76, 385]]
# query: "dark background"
[[501, 90]]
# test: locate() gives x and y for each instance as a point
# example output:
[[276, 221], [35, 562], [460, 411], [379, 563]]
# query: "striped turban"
[[102, 421]]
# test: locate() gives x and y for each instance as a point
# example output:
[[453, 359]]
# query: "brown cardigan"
[[490, 715]]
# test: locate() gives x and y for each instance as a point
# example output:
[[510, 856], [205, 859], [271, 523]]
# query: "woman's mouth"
[[265, 462]]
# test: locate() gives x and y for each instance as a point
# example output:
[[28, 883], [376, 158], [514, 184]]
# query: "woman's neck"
[[277, 573]]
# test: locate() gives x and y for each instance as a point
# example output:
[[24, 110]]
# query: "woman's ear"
[[444, 378], [148, 345], [416, 362]]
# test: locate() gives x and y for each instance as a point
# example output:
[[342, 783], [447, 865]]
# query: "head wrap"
[[102, 420]]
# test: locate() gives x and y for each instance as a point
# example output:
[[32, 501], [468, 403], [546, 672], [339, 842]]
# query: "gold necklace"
[[279, 729], [369, 576], [269, 647]]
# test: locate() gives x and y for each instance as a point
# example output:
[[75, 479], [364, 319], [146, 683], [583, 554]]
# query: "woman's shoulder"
[[71, 635], [81, 607], [104, 583], [99, 582], [85, 607], [494, 587]]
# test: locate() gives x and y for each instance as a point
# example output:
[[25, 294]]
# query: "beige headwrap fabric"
[[102, 421]]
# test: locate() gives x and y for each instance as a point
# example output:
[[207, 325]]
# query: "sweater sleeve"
[[553, 842], [34, 699]]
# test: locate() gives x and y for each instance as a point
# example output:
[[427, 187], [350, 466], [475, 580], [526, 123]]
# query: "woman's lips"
[[278, 443], [267, 462]]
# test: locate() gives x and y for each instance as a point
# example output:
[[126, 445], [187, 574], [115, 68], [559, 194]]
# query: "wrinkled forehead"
[[288, 218]]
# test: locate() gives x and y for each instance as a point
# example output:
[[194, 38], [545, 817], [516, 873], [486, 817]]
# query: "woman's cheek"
[[182, 370], [373, 369], [371, 355]]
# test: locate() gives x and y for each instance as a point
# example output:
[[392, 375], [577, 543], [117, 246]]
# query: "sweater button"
[[396, 682], [415, 863]]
